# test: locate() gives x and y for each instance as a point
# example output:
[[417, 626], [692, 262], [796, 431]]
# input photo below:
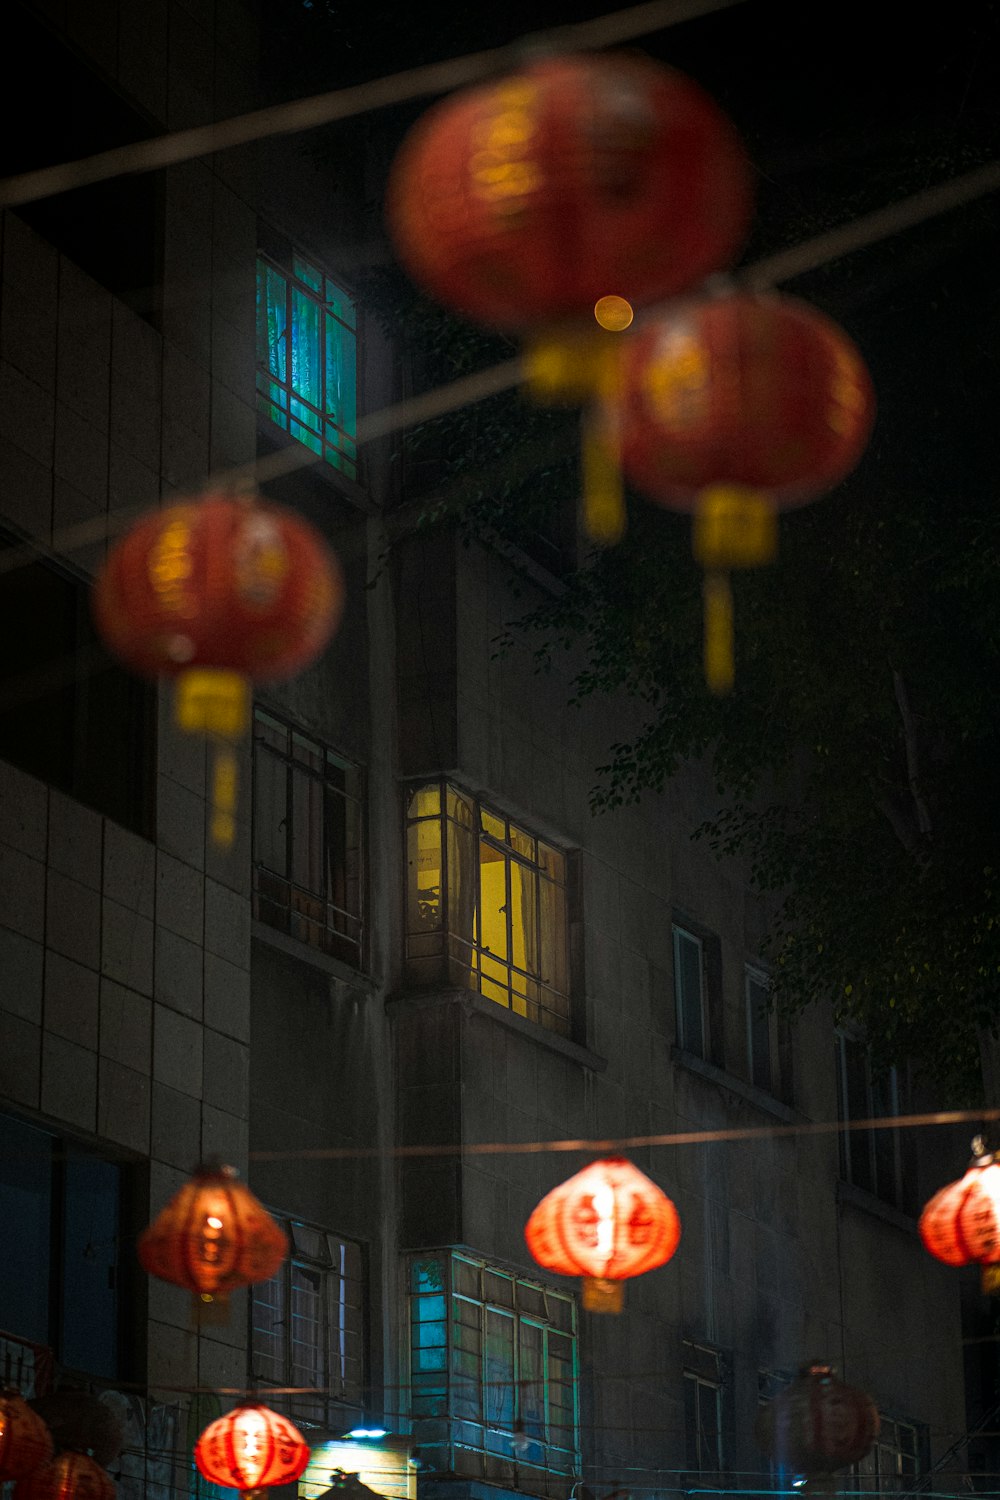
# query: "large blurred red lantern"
[[213, 1236], [736, 407], [70, 1476], [817, 1424], [25, 1440], [218, 593], [607, 1223], [530, 198], [961, 1223], [250, 1449]]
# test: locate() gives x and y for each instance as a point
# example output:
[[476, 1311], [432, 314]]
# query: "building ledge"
[[306, 954], [474, 1004], [749, 1092], [460, 1487], [849, 1196]]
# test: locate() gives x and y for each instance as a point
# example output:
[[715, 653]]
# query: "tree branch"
[[923, 816]]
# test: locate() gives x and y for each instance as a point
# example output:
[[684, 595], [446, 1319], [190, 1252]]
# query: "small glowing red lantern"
[[250, 1449], [736, 407], [818, 1424], [69, 1476], [213, 1236], [533, 197], [25, 1440], [607, 1223], [961, 1223], [216, 593]]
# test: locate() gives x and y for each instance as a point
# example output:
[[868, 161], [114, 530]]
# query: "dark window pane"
[[26, 1201], [89, 1311], [68, 714], [708, 1402], [859, 1145], [270, 794], [308, 867], [691, 1434], [885, 1142], [688, 988]]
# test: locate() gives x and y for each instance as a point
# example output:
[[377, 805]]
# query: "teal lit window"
[[493, 1374], [307, 358]]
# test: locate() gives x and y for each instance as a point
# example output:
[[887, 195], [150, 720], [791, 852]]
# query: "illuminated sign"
[[382, 1464]]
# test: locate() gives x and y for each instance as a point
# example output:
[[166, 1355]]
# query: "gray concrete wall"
[[778, 1262]]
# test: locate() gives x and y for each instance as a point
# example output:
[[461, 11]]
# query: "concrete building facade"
[[422, 938]]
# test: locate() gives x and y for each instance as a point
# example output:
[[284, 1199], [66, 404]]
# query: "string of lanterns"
[[542, 204], [606, 1223]]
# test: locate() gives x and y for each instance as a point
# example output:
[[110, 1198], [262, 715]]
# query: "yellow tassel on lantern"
[[217, 703], [585, 367], [733, 528]]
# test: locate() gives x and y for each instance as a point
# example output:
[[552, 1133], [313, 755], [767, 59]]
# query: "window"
[[307, 839], [689, 992], [760, 1052], [113, 229], [894, 1464], [69, 714], [308, 1326], [59, 1287], [493, 1373], [702, 1411], [869, 1158], [771, 1383], [307, 355], [486, 906]]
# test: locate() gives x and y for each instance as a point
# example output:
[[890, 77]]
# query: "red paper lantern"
[[25, 1440], [533, 197], [212, 1237], [818, 1424], [607, 1223], [961, 1223], [734, 408], [217, 593], [250, 1449], [70, 1476]]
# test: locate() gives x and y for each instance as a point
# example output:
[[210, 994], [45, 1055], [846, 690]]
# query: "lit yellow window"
[[486, 906]]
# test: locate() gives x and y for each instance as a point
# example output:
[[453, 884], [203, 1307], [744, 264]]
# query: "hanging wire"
[[635, 1142], [765, 274], [345, 104], [881, 224]]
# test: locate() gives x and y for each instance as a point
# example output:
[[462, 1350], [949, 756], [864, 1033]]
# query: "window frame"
[[681, 932], [754, 975], [693, 1441], [881, 1471], [442, 1415], [276, 396], [329, 1408], [439, 949], [897, 1195], [125, 1356], [335, 941]]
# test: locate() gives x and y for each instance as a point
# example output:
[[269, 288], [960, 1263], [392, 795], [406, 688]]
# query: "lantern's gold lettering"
[[170, 566], [501, 165]]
